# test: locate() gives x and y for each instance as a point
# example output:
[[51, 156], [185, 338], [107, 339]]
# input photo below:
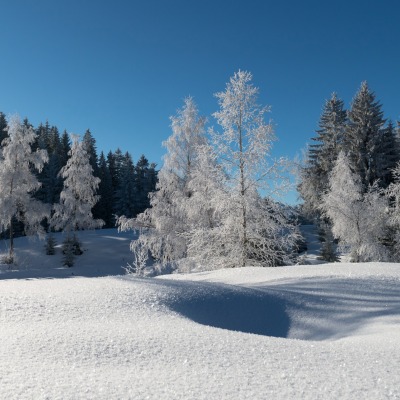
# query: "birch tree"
[[18, 183], [243, 147]]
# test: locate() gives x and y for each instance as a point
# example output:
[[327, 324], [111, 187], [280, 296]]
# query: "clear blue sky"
[[121, 68]]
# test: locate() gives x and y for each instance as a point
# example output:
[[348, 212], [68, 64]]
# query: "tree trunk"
[[11, 253], [242, 194]]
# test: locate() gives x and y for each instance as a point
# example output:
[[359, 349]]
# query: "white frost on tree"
[[163, 226], [74, 212], [359, 218], [18, 183], [393, 195], [255, 230]]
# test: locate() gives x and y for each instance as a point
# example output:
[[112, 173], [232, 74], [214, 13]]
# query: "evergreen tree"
[[322, 155], [18, 183], [364, 137], [143, 184], [50, 245], [126, 192], [74, 212], [3, 126], [65, 147], [90, 146], [104, 207], [388, 155]]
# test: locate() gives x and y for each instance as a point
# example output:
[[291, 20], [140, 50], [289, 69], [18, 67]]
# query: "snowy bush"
[[359, 220], [50, 245]]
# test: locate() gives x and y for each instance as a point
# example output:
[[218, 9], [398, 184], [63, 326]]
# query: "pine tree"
[[104, 207], [126, 194], [65, 147], [3, 126], [50, 245], [388, 155], [89, 143], [74, 212], [18, 183], [364, 135], [322, 155]]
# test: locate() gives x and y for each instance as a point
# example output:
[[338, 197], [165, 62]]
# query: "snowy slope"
[[106, 252], [304, 332]]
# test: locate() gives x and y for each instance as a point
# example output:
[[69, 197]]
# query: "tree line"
[[349, 182], [35, 165]]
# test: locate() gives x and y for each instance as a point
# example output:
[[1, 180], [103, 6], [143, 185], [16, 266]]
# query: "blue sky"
[[121, 68]]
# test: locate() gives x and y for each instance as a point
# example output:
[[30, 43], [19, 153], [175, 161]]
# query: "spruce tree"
[[74, 212], [65, 147], [126, 194], [322, 155], [364, 136], [104, 207], [3, 126], [143, 184], [89, 143]]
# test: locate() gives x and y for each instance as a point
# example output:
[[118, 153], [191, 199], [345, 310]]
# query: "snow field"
[[304, 332]]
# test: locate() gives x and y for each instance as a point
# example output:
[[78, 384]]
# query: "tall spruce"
[[126, 194], [104, 207], [364, 135], [322, 155]]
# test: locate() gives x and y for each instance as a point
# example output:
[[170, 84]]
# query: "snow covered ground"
[[327, 331]]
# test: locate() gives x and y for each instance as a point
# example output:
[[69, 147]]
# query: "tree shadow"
[[231, 308], [331, 308]]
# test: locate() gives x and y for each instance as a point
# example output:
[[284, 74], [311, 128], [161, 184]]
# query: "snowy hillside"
[[305, 332]]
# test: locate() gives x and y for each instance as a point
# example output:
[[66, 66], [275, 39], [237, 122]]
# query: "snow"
[[303, 332]]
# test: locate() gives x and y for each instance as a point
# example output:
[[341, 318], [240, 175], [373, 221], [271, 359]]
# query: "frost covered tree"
[[164, 224], [358, 217], [393, 195], [74, 212], [256, 231], [18, 182]]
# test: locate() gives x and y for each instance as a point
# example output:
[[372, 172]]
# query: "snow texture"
[[302, 332]]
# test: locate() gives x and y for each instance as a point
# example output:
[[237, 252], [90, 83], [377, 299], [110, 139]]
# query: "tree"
[[74, 212], [18, 183], [255, 230], [126, 193], [89, 143], [363, 137], [322, 155], [358, 217], [104, 207], [3, 126], [393, 196], [164, 224], [65, 147]]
